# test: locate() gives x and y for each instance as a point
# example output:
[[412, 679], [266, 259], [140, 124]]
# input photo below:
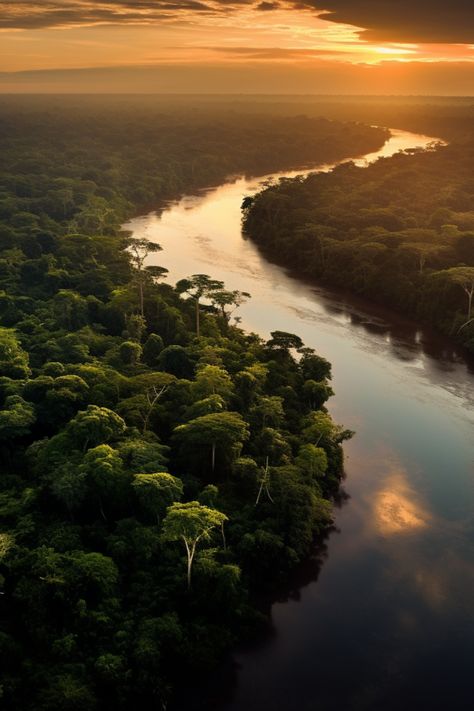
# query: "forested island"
[[160, 466], [400, 232]]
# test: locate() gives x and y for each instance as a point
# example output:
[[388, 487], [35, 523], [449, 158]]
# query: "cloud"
[[41, 14], [268, 5], [269, 53], [434, 21], [417, 21]]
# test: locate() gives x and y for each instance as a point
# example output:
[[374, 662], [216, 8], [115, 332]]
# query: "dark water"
[[389, 623]]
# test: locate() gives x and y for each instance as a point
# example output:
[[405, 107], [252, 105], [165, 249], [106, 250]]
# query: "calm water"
[[389, 623]]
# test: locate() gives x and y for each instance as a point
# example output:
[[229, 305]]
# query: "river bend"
[[389, 623]]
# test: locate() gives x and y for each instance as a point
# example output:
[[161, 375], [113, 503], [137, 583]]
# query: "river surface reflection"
[[389, 624]]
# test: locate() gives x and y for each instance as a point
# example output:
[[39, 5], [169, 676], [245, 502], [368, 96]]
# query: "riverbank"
[[387, 233], [392, 603], [150, 448]]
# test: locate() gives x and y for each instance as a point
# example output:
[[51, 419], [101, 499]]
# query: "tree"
[[316, 393], [314, 367], [247, 203], [6, 542], [464, 276], [212, 380], [191, 522], [197, 287], [96, 425], [313, 460], [13, 359], [226, 431], [175, 360], [264, 484], [139, 408], [135, 327], [70, 309], [143, 455], [250, 382], [213, 403], [269, 410], [422, 252], [95, 216], [283, 341], [130, 352], [68, 485], [103, 468], [62, 398], [223, 299], [65, 692], [17, 417], [320, 427], [272, 443], [152, 349], [91, 575], [139, 250], [157, 491]]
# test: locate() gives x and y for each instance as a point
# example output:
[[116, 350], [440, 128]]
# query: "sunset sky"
[[271, 46]]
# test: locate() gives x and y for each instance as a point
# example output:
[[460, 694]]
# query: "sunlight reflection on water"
[[395, 591]]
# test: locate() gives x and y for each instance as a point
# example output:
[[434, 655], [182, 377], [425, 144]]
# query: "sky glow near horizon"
[[331, 40]]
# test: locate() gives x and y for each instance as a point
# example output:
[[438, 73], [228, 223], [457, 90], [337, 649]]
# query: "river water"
[[389, 621]]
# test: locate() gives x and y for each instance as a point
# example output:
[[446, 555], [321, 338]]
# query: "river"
[[389, 622]]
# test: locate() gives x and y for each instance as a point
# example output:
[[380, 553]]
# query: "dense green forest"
[[159, 466], [146, 151], [446, 117], [400, 232]]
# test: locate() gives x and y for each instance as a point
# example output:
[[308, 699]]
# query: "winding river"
[[389, 623]]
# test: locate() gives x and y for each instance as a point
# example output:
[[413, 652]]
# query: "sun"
[[393, 50]]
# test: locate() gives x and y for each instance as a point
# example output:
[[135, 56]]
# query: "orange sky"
[[312, 46]]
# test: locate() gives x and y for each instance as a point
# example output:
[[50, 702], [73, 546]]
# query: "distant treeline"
[[158, 465], [400, 232], [119, 149]]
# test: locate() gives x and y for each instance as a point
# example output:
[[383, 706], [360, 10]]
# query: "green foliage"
[[281, 340], [126, 440], [212, 380], [219, 434], [156, 492], [143, 455], [93, 426], [191, 523], [130, 352], [312, 460], [6, 542], [400, 232], [13, 359], [17, 418], [152, 349]]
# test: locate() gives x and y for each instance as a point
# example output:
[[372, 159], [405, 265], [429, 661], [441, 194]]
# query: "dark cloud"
[[40, 14], [436, 21], [432, 21], [268, 5]]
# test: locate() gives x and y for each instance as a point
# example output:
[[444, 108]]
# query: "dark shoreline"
[[380, 316]]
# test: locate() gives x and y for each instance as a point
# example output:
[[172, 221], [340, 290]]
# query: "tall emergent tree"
[[191, 522], [464, 276], [199, 286], [139, 251], [229, 301]]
